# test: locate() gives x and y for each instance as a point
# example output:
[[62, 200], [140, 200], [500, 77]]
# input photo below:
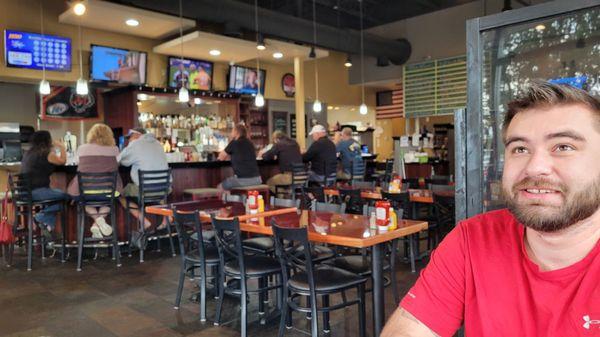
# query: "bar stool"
[[153, 189], [97, 190], [21, 191], [299, 180], [359, 169]]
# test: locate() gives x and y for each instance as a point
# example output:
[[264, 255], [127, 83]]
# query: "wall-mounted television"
[[243, 80], [194, 74], [36, 51], [117, 65]]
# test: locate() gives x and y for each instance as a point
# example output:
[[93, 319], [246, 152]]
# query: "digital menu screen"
[[34, 51]]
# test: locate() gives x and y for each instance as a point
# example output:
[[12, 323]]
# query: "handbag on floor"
[[6, 231]]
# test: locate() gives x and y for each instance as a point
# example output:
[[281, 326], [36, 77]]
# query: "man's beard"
[[577, 206]]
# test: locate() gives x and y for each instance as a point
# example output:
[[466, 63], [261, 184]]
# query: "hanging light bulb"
[[259, 100], [184, 95], [363, 109], [79, 8], [317, 107], [82, 87], [348, 62], [44, 87]]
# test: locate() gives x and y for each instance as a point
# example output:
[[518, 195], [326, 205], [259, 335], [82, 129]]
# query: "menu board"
[[293, 126], [280, 121], [36, 51]]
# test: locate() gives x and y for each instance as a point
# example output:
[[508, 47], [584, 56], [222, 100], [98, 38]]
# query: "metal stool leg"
[[63, 227], [29, 239], [115, 234], [80, 229]]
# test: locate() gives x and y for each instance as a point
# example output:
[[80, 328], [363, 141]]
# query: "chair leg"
[[411, 242], [115, 234], [63, 225], [11, 248], [361, 311], [393, 278], [170, 232], [158, 243], [284, 314], [128, 227], [80, 229], [180, 285], [203, 293], [314, 322], [29, 239], [261, 297], [141, 222], [244, 308], [326, 327], [221, 282]]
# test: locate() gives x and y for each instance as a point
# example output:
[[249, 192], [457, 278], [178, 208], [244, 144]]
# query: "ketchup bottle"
[[382, 212]]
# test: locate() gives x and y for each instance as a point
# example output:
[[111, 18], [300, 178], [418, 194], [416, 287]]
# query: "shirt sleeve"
[[229, 149], [438, 297], [270, 155], [310, 153], [125, 157]]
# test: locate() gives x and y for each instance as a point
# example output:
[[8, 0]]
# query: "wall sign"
[[288, 85], [64, 103]]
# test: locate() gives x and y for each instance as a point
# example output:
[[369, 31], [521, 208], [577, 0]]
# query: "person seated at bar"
[[243, 160], [98, 155], [143, 152], [287, 152], [319, 154], [532, 269], [38, 164], [349, 150]]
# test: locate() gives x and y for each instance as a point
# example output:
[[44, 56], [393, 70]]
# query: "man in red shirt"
[[532, 269]]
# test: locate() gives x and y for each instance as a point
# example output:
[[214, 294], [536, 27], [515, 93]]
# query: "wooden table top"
[[340, 229]]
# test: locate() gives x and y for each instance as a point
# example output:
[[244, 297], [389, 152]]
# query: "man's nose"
[[539, 164]]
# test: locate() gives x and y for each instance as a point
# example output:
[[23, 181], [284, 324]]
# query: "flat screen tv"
[[194, 74], [36, 51], [117, 65], [244, 80]]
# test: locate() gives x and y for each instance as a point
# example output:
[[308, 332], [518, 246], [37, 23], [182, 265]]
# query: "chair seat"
[[258, 265], [261, 244], [318, 253], [356, 264], [202, 192], [327, 279], [251, 187], [211, 256]]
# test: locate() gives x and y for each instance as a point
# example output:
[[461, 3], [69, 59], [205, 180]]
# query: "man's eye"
[[519, 150], [564, 147]]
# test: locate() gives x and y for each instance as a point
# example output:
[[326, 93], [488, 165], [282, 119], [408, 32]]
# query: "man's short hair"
[[545, 94], [347, 132], [241, 130]]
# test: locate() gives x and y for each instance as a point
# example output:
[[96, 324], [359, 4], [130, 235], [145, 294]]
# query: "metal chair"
[[327, 207], [277, 202], [330, 177], [154, 188], [299, 180], [97, 190], [352, 200], [21, 194], [236, 268], [234, 198], [195, 254], [385, 176], [310, 281], [412, 182], [310, 193], [358, 171]]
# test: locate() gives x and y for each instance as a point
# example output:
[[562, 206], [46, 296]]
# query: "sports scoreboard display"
[[36, 51]]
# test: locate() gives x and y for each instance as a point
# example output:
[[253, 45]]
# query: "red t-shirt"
[[481, 274]]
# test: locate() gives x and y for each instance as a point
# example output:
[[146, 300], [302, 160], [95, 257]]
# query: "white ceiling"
[[111, 17], [198, 44]]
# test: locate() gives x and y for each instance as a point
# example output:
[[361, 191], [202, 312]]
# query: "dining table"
[[347, 230]]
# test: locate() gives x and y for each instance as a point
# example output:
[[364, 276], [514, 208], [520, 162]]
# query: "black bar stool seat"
[[261, 245], [256, 266]]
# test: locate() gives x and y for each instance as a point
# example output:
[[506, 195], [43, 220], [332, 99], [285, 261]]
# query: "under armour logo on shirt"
[[589, 322]]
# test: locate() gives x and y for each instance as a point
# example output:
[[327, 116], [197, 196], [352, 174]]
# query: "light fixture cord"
[[257, 51], [314, 7], [181, 38], [43, 36], [80, 50], [362, 53]]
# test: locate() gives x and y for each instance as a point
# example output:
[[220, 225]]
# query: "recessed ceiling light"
[[337, 108], [215, 52], [329, 107], [277, 55], [132, 22], [540, 27], [79, 9]]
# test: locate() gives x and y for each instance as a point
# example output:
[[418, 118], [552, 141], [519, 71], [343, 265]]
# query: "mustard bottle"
[[393, 220]]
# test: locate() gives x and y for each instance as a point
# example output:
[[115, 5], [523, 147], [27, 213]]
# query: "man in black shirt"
[[243, 160], [287, 152], [321, 154]]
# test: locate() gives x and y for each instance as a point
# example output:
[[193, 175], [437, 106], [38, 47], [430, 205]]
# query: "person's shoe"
[[96, 233], [47, 234], [105, 229]]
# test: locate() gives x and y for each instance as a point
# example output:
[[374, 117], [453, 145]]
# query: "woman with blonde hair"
[[98, 155]]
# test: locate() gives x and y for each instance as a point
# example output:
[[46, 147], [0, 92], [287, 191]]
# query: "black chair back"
[[352, 200], [154, 186], [188, 225], [97, 188], [444, 207], [20, 189], [327, 207], [399, 201], [299, 176], [412, 182], [358, 170], [330, 177], [234, 198], [310, 193], [229, 242], [389, 170]]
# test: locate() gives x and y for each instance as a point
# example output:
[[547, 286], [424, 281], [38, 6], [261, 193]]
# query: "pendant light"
[[82, 86], [317, 107], [184, 95], [363, 107], [44, 84], [259, 100]]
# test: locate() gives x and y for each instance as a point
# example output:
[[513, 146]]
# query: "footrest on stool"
[[201, 193]]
